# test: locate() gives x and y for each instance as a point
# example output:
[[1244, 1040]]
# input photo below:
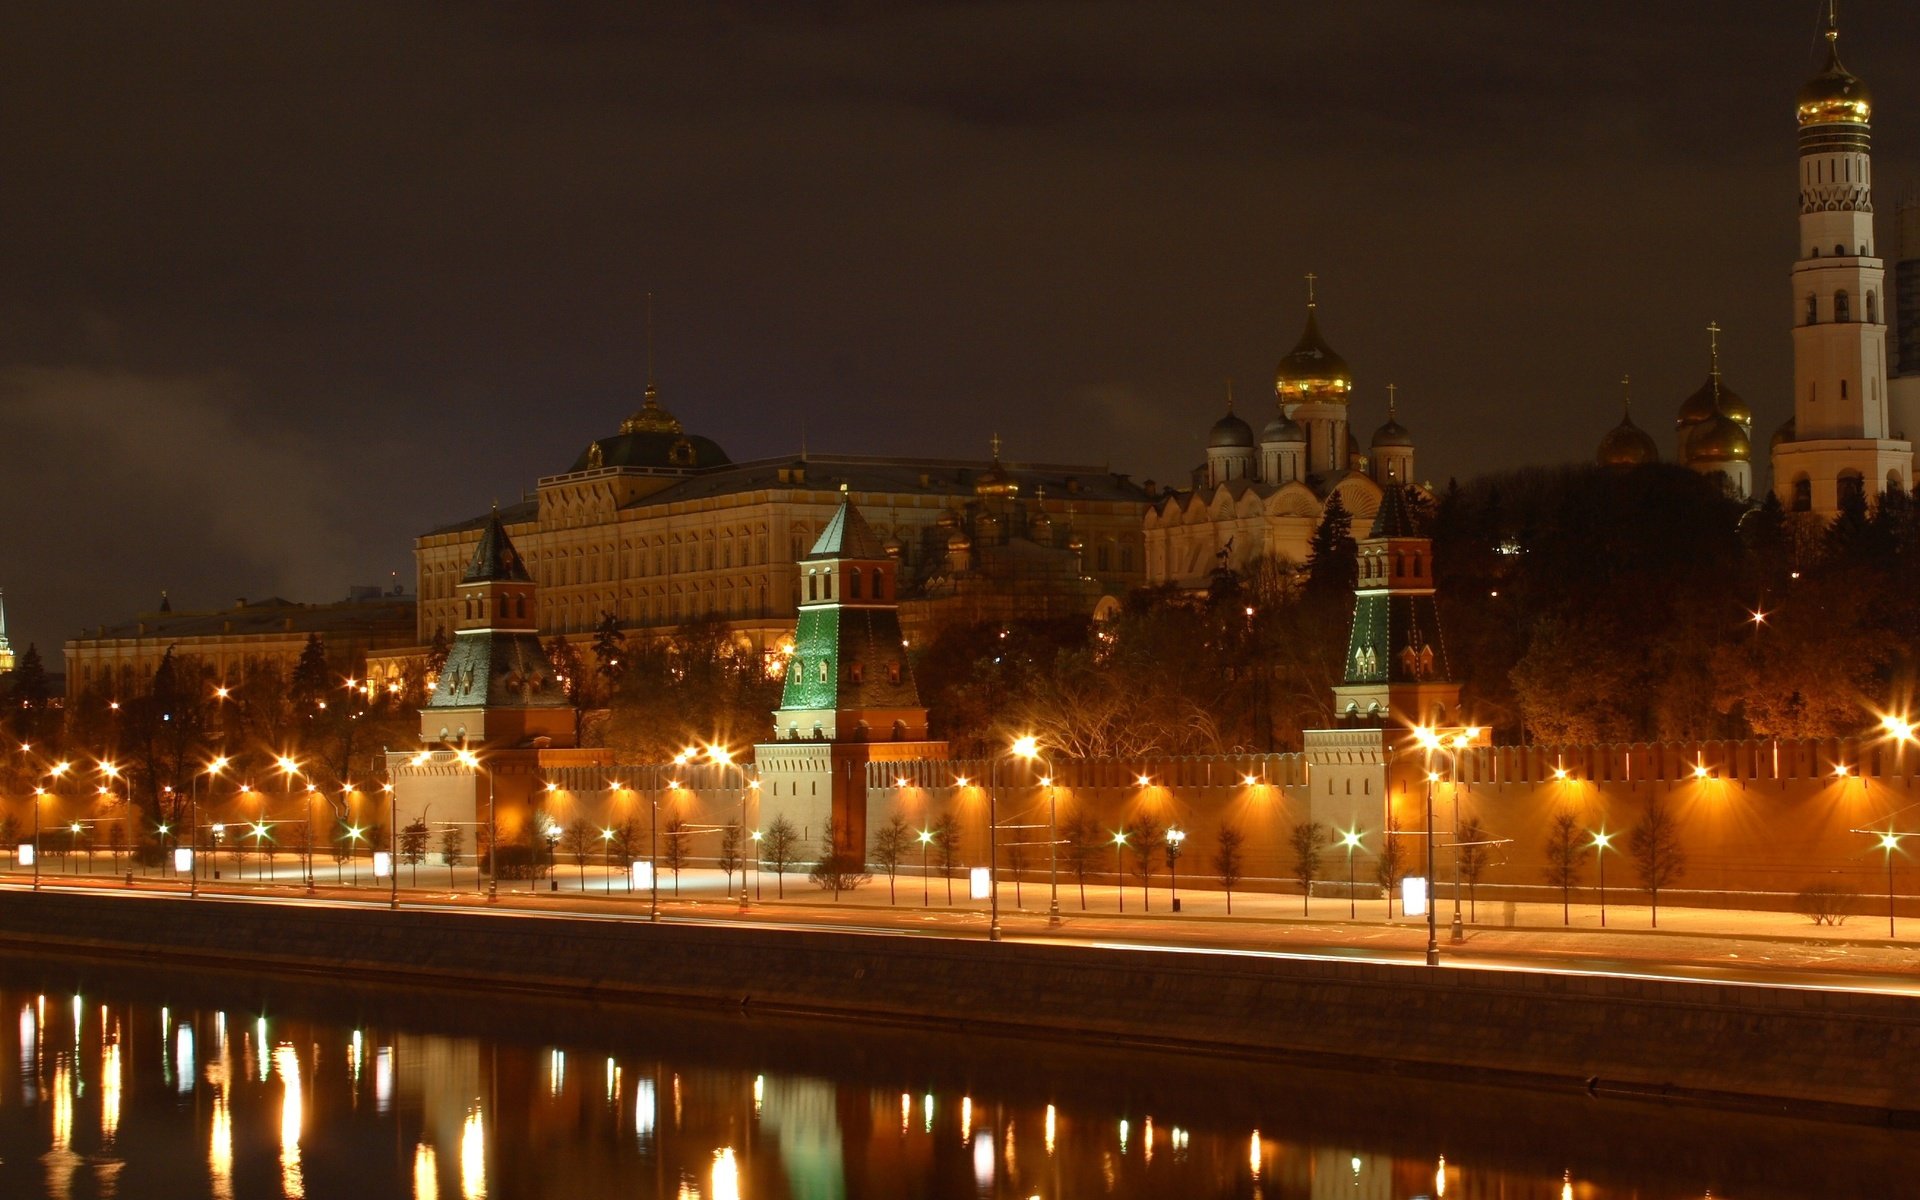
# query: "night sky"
[[286, 284]]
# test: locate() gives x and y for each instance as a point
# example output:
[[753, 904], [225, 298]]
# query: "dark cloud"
[[395, 252]]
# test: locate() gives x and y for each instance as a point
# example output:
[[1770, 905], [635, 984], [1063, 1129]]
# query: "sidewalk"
[[1626, 911]]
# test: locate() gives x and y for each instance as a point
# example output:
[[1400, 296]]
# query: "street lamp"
[[1351, 840], [112, 771], [1175, 837], [1602, 842], [1119, 868], [471, 761], [724, 757], [1028, 747], [39, 794], [1890, 842], [926, 839], [288, 769]]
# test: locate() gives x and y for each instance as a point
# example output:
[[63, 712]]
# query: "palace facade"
[[658, 526]]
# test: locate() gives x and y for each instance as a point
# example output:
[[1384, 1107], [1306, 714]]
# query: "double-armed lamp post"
[[1028, 747]]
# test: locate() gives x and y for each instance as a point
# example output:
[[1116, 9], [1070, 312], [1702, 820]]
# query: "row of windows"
[[820, 583], [1842, 308]]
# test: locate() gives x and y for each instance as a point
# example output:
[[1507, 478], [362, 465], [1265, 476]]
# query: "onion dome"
[[1783, 434], [1713, 398], [1312, 369], [1285, 430], [1392, 433], [1627, 445], [1718, 440], [894, 547], [958, 540], [1835, 96], [1230, 432], [995, 481]]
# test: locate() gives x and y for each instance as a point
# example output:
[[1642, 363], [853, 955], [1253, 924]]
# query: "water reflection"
[[328, 1091]]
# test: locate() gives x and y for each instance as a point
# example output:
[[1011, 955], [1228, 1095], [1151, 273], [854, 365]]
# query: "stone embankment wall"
[[1844, 1054]]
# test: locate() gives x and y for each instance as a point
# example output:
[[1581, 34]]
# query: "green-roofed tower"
[[848, 678], [1397, 673], [849, 699], [498, 686]]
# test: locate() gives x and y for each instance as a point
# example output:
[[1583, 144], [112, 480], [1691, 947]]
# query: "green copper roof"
[[848, 535], [505, 670], [494, 559], [1395, 518]]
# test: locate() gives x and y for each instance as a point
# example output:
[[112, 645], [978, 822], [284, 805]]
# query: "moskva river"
[[159, 1085]]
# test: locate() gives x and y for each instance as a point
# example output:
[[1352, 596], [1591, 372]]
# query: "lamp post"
[[213, 770], [56, 771], [1028, 747], [1351, 840], [112, 772], [724, 757], [653, 861], [1457, 932], [1175, 837], [993, 851], [471, 761], [393, 849], [1119, 868], [1601, 842], [926, 893], [1433, 930], [1890, 842]]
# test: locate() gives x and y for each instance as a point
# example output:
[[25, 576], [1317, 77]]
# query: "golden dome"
[[1719, 439], [651, 418], [1627, 445], [1312, 370], [1836, 96], [1710, 400]]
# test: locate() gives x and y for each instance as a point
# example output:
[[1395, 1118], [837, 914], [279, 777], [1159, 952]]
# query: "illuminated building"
[[6, 647], [658, 527], [1264, 497], [1842, 438]]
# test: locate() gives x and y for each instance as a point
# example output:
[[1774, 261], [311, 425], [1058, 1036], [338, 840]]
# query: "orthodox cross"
[[1310, 278]]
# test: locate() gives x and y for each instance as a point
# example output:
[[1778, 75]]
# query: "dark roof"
[[660, 451], [906, 476], [848, 535], [1396, 518], [388, 615], [494, 558]]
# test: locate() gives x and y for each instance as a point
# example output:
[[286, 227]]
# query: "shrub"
[[1825, 904]]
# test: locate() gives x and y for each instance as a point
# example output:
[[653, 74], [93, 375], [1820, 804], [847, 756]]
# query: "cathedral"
[[1263, 496], [1848, 435]]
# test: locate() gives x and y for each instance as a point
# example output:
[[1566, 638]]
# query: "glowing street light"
[[1027, 746], [1602, 842], [926, 840], [1351, 841], [1119, 872]]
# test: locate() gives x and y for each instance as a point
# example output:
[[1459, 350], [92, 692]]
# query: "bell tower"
[[1843, 440]]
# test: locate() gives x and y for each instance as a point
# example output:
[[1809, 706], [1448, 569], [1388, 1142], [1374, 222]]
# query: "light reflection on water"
[[340, 1091]]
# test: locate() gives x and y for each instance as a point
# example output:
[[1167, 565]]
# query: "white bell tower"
[[1842, 438]]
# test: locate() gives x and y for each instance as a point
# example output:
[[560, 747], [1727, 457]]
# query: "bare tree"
[[890, 843], [675, 858], [837, 871], [728, 859], [1081, 837], [1654, 847], [1392, 863], [946, 844], [1308, 839], [576, 842], [1016, 855], [1228, 859], [1566, 854], [1474, 856], [453, 840], [777, 849], [1146, 837], [413, 847]]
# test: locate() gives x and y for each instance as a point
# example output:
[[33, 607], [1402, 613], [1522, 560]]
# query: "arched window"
[[1842, 307], [1816, 252], [1873, 308], [1840, 249], [826, 671], [1894, 486], [813, 586], [826, 584], [853, 584], [1850, 486], [1813, 309]]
